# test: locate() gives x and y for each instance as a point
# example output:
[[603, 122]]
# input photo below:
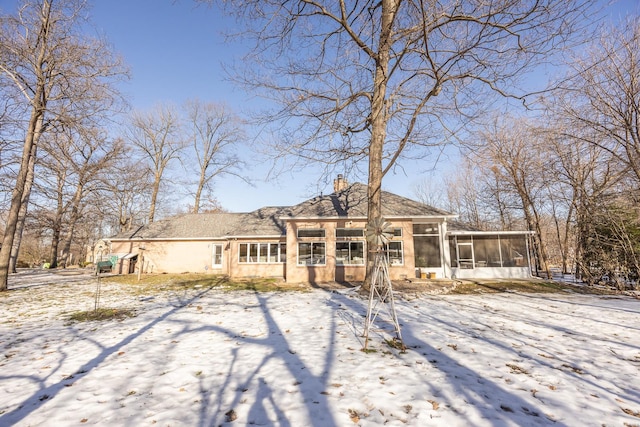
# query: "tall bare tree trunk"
[[33, 133], [379, 120], [34, 129], [22, 216], [74, 216], [154, 196], [56, 226]]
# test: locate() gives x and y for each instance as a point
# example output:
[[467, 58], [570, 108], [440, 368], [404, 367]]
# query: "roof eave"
[[488, 233], [386, 217], [164, 239]]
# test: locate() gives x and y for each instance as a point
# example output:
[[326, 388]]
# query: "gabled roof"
[[262, 222], [270, 221], [352, 203]]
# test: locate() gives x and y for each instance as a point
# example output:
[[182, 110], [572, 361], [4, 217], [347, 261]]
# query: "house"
[[321, 240]]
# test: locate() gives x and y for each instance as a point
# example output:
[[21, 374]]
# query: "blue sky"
[[175, 50]]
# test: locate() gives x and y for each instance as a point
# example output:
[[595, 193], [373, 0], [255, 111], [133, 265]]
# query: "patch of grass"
[[470, 286], [397, 344], [101, 314], [152, 283]]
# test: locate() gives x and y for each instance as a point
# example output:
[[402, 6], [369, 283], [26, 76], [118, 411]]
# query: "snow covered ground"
[[209, 357]]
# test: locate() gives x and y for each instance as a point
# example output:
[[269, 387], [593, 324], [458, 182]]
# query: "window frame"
[[217, 253], [260, 258], [347, 235], [401, 251], [312, 256], [321, 233], [350, 257], [427, 238]]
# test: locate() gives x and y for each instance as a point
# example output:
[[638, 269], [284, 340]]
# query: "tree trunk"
[[22, 216], [74, 215], [57, 220], [29, 151], [379, 123], [154, 197], [544, 257], [565, 244], [196, 202], [34, 129], [55, 242]]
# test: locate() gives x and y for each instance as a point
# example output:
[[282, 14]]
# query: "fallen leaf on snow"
[[231, 415], [631, 412], [354, 416]]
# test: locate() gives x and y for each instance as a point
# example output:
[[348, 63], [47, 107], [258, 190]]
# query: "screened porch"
[[489, 254]]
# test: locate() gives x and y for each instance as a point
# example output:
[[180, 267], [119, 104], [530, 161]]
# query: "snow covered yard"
[[209, 357]]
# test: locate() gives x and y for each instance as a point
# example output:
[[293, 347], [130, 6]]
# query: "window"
[[394, 253], [350, 253], [311, 253], [514, 251], [277, 252], [452, 251], [311, 232], [429, 229], [465, 254], [262, 253], [427, 251], [489, 251], [486, 251], [426, 242], [217, 255], [349, 232]]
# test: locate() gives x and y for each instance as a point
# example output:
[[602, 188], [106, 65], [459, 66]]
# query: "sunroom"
[[489, 254]]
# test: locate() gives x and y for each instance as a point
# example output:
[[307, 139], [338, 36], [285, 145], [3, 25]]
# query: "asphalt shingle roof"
[[270, 221], [352, 202]]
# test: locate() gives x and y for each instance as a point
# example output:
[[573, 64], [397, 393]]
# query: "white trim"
[[311, 242], [489, 233], [364, 218], [213, 255], [199, 239]]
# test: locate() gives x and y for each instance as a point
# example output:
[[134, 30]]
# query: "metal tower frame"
[[381, 290]]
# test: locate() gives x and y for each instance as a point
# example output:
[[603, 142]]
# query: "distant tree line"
[[570, 173], [374, 82], [75, 164]]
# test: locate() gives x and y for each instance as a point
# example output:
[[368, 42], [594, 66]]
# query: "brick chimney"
[[340, 183]]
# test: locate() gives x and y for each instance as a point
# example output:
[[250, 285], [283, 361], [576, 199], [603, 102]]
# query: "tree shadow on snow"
[[255, 390], [494, 403], [47, 392]]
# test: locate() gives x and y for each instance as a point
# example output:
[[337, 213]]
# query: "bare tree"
[[518, 154], [58, 74], [603, 96], [123, 201], [430, 192], [598, 136], [215, 133], [76, 159], [463, 195], [371, 80], [157, 135]]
